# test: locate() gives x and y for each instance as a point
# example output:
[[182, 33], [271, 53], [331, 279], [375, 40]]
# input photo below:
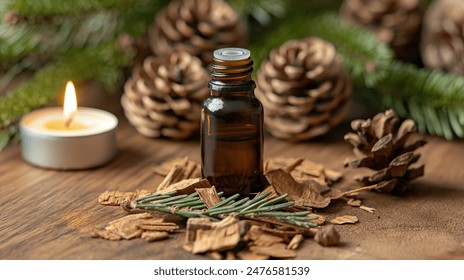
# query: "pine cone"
[[390, 154], [442, 44], [395, 22], [163, 97], [198, 27], [304, 89]]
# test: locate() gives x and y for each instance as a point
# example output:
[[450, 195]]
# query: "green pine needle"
[[55, 7], [192, 206]]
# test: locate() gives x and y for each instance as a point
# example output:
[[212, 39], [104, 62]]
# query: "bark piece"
[[209, 196], [115, 198], [260, 238], [305, 171], [180, 169], [295, 242], [347, 219], [251, 255], [224, 236], [186, 186], [168, 227], [152, 236], [312, 198], [332, 175], [320, 220], [103, 233], [230, 255], [354, 202], [327, 236], [194, 224], [276, 250], [215, 255], [283, 183]]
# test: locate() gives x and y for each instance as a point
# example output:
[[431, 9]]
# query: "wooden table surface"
[[47, 214]]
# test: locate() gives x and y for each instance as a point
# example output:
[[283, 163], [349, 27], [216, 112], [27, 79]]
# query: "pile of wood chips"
[[307, 183]]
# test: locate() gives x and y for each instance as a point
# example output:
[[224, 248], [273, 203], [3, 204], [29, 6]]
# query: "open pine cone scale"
[[304, 89], [163, 96], [390, 153]]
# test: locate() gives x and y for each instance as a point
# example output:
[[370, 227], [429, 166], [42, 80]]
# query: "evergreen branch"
[[54, 7], [432, 98], [364, 56], [263, 11], [101, 63], [57, 36], [259, 206], [428, 86]]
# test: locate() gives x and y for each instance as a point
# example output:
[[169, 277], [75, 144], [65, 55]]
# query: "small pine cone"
[[304, 89], [390, 152], [197, 27], [442, 44], [395, 22], [163, 96]]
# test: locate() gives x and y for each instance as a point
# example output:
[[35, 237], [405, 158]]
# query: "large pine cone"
[[304, 89], [391, 153], [442, 44], [395, 22], [163, 96], [198, 27]]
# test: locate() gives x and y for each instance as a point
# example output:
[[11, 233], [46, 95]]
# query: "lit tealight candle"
[[68, 138]]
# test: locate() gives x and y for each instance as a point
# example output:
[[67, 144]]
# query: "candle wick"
[[67, 122]]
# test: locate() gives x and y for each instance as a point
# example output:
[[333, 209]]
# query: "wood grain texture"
[[47, 214]]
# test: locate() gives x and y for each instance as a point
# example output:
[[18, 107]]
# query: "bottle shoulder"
[[243, 104]]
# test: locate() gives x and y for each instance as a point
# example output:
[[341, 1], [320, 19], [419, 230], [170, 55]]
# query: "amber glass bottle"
[[232, 125]]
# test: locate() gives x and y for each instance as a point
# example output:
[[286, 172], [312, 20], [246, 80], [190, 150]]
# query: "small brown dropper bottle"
[[232, 126]]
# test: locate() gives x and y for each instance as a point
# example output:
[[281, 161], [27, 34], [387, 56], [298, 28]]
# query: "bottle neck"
[[231, 71]]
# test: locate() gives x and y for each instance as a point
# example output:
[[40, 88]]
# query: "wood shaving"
[[223, 236], [186, 186], [276, 250], [135, 225], [295, 242], [102, 233], [251, 255], [320, 220], [152, 236], [305, 171], [116, 198], [260, 238], [209, 196], [354, 202], [344, 220], [230, 255], [283, 183], [180, 169], [368, 209], [193, 170], [215, 255]]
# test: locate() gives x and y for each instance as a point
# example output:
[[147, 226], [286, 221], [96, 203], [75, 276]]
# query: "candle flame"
[[70, 104]]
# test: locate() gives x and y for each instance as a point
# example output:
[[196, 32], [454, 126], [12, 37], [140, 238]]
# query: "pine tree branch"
[[191, 206], [57, 35], [432, 98], [55, 7]]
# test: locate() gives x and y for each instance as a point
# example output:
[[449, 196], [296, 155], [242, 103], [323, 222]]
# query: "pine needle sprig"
[[54, 7], [191, 206]]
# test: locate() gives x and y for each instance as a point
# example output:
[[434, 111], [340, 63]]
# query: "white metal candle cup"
[[91, 145]]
